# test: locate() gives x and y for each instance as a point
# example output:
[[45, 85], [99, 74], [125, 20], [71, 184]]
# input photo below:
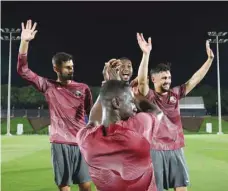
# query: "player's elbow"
[[143, 88], [19, 70]]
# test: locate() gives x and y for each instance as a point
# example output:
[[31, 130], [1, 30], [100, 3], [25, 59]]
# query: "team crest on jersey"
[[78, 93], [173, 99]]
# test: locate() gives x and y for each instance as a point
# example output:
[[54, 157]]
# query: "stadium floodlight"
[[212, 33], [18, 30], [218, 41], [220, 33], [212, 41], [9, 38], [6, 38], [7, 30]]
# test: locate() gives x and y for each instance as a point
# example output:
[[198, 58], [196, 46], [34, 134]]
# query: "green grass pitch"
[[26, 163]]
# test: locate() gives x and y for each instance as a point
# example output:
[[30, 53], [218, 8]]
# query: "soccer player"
[[114, 69], [121, 70], [118, 150], [68, 102], [168, 142]]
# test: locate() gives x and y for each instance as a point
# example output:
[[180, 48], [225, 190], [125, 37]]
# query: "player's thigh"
[[80, 168], [61, 164], [178, 170], [159, 166]]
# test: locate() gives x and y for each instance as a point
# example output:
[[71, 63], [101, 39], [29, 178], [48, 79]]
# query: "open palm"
[[28, 32], [143, 44], [111, 70], [210, 53]]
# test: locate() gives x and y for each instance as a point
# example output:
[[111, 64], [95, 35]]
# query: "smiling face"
[[161, 78], [162, 81], [125, 70]]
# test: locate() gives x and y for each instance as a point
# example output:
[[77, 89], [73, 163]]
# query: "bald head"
[[117, 96], [113, 88]]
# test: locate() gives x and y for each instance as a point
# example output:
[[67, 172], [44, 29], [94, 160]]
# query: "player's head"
[[161, 77], [126, 69], [63, 65], [117, 99]]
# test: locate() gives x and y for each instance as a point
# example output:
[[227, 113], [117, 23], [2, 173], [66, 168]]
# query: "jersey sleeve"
[[143, 123], [150, 95], [180, 91], [40, 83], [88, 101]]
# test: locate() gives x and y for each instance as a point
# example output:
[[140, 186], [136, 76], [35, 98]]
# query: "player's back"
[[118, 158]]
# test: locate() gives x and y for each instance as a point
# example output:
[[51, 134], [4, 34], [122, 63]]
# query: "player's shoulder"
[[150, 94], [144, 115], [176, 89], [141, 117], [79, 84], [85, 132]]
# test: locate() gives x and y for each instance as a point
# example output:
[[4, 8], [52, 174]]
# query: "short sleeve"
[[180, 91], [143, 123]]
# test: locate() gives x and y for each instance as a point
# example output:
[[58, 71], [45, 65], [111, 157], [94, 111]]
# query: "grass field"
[[29, 130], [26, 163]]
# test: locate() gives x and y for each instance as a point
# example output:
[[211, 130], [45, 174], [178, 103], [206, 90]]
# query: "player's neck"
[[63, 82], [109, 117], [159, 91]]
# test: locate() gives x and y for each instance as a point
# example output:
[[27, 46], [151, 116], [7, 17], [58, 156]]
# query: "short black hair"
[[112, 88], [61, 57], [162, 67]]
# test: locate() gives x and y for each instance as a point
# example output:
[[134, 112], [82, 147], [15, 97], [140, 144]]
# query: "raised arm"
[[28, 33], [95, 115], [110, 72], [146, 47], [199, 75], [88, 101]]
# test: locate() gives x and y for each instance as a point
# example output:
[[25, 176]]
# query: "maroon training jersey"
[[169, 135], [68, 104], [121, 159]]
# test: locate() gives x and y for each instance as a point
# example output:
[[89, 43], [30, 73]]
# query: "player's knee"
[[85, 186], [64, 188], [181, 189]]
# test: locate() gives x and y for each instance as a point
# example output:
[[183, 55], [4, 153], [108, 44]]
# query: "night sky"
[[94, 32]]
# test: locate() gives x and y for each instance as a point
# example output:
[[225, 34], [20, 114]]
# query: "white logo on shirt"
[[78, 93], [173, 99]]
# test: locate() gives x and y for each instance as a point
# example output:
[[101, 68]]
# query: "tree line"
[[28, 97]]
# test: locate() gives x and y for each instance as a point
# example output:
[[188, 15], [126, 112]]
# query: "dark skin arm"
[[110, 71]]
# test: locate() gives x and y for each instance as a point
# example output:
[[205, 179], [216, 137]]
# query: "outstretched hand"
[[145, 46], [28, 32], [111, 70], [210, 53]]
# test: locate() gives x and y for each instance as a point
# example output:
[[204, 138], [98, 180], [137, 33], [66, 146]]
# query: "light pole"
[[9, 38], [217, 41]]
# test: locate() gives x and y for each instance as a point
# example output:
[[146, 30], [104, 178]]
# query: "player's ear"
[[115, 103], [56, 68], [153, 78]]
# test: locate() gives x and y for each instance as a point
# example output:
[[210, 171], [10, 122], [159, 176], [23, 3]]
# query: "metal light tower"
[[217, 41], [10, 38]]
